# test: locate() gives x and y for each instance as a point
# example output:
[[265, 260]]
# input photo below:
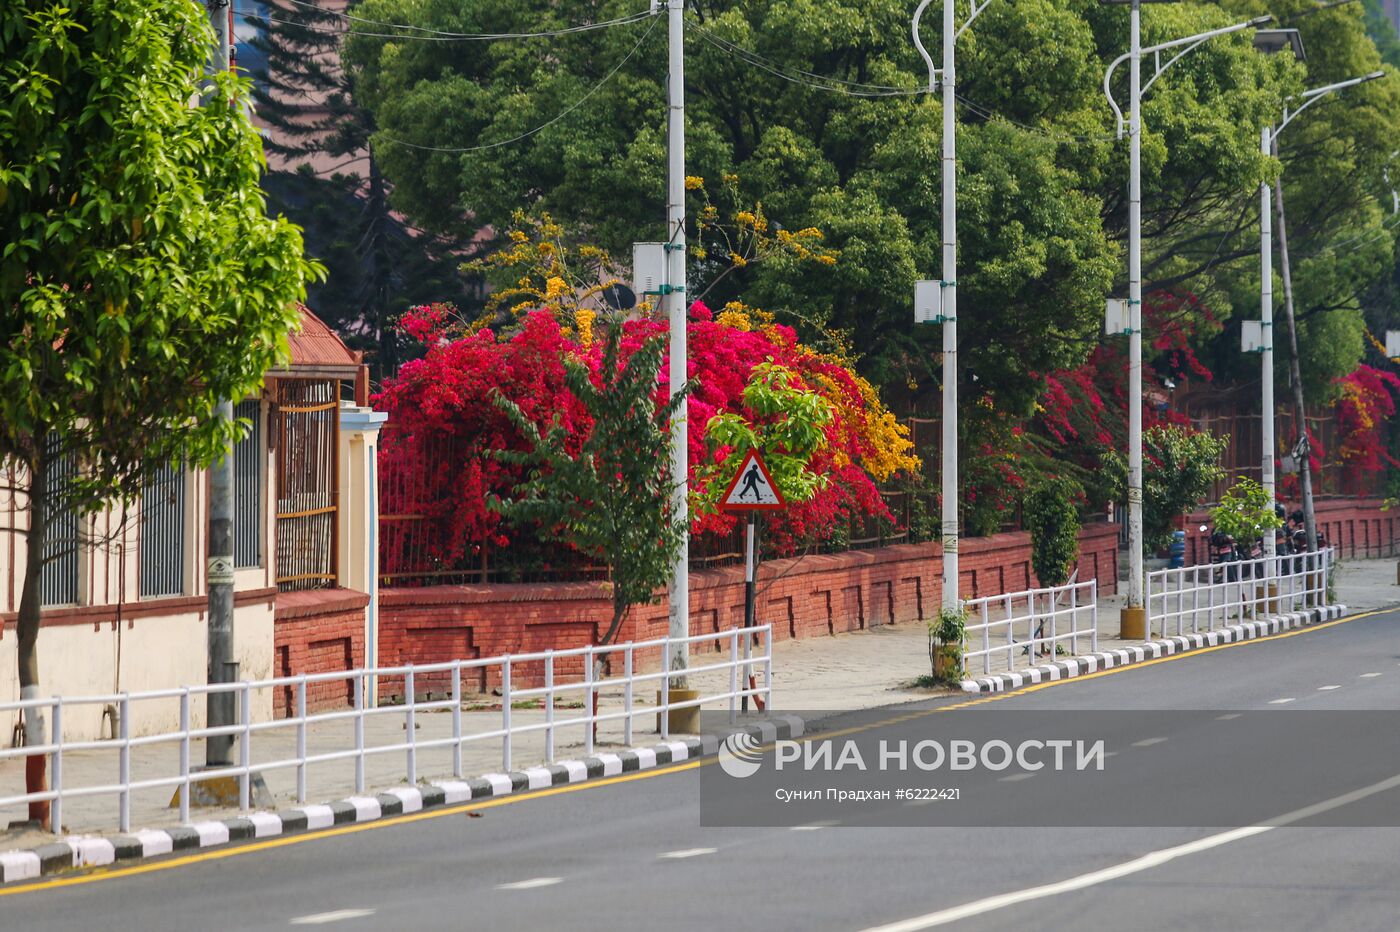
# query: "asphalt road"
[[631, 853]]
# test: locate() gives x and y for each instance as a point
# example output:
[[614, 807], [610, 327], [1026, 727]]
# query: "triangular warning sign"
[[752, 487]]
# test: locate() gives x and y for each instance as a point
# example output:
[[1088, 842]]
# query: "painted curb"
[[1104, 660], [81, 851]]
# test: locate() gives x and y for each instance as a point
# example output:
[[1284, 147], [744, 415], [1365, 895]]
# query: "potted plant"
[[945, 644]]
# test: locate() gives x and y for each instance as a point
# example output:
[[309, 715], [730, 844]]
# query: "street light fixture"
[[1270, 41], [1134, 616], [1268, 145], [937, 301]]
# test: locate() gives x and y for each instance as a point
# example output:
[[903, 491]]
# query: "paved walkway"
[[848, 671]]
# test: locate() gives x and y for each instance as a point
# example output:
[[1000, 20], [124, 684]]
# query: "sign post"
[[751, 491]]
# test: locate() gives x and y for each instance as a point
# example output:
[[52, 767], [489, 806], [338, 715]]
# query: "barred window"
[[248, 456], [58, 579], [163, 532]]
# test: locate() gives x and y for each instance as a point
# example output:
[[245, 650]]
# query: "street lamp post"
[[1134, 617], [937, 301], [1268, 141]]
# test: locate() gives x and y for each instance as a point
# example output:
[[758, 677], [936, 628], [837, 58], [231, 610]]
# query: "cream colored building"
[[127, 611]]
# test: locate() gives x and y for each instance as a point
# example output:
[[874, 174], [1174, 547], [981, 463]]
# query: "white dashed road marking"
[[1016, 777], [1280, 701], [815, 826], [1367, 676], [1227, 717], [531, 884], [1148, 742], [1325, 688], [686, 853], [316, 919]]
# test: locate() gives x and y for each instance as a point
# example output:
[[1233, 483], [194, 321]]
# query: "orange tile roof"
[[316, 346]]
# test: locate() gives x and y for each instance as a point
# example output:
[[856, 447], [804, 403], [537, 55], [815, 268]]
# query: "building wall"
[[801, 597], [318, 631]]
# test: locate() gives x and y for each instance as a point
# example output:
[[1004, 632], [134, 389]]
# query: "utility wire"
[[530, 132], [806, 78], [434, 35]]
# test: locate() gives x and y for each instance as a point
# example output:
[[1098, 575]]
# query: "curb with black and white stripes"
[[81, 851], [1104, 660]]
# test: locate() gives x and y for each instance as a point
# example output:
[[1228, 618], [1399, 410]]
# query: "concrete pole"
[[221, 668], [1295, 369], [676, 311], [950, 314], [1266, 316], [1134, 617]]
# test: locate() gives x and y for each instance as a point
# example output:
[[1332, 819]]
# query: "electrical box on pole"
[[649, 268], [928, 302], [1116, 321], [1252, 336], [1392, 344]]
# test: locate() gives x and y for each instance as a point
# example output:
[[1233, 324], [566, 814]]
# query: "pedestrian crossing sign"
[[752, 488]]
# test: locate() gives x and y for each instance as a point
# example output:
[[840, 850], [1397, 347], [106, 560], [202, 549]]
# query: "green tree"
[[378, 266], [1245, 512], [141, 280], [608, 497], [1179, 467], [786, 428], [1052, 519]]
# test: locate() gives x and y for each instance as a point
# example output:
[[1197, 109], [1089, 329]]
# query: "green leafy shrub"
[[1049, 513], [1179, 466], [1245, 512]]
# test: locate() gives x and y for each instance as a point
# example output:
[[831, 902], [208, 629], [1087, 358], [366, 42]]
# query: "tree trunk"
[[27, 625]]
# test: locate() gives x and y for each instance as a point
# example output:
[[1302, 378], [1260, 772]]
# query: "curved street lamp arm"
[[1191, 43], [1313, 96], [976, 11], [919, 44]]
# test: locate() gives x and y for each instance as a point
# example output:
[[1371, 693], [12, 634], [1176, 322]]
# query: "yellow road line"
[[101, 874]]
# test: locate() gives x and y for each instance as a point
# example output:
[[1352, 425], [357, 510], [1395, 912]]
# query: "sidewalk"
[[849, 671]]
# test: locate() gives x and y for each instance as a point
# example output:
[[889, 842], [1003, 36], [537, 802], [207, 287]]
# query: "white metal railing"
[[1208, 595], [1024, 625], [749, 653]]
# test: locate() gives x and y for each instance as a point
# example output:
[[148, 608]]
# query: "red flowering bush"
[[437, 451], [1366, 403]]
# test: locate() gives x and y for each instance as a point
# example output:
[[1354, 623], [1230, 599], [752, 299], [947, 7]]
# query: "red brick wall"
[[318, 631], [1355, 525], [800, 597]]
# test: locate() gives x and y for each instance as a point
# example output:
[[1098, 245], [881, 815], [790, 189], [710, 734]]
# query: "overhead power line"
[[530, 132], [425, 34]]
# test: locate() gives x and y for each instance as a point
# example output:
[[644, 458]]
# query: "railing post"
[[1010, 634], [549, 706], [124, 762], [301, 738], [733, 676], [665, 723], [590, 710], [245, 749], [411, 725], [1074, 619], [986, 640], [1054, 623], [627, 694], [56, 809], [505, 713], [1094, 615], [360, 732], [457, 719], [185, 754], [768, 669]]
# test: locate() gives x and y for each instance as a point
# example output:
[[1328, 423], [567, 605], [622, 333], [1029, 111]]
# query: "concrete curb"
[[81, 851], [1090, 663]]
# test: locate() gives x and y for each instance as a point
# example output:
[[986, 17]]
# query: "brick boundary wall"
[[801, 597], [318, 631], [1356, 526]]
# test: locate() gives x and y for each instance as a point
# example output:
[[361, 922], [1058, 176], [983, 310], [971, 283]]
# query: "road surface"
[[630, 853]]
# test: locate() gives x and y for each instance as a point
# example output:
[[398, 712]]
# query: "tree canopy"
[[820, 112]]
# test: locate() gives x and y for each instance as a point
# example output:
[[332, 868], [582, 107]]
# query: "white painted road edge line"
[[1118, 871]]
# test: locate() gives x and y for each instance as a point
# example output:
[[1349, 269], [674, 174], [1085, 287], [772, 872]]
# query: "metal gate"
[[307, 434], [58, 579]]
